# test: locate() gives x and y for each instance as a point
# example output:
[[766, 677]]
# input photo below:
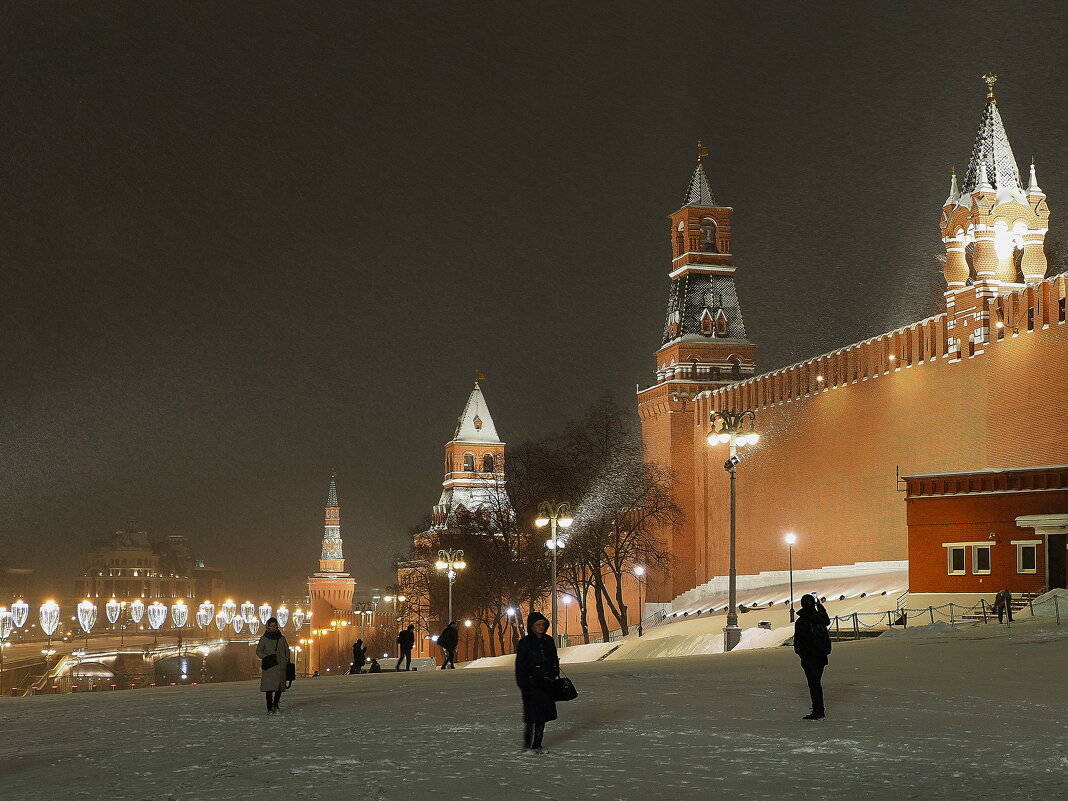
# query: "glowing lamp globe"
[[48, 615], [460, 565], [248, 611], [7, 623], [639, 571], [238, 623], [565, 522], [254, 626], [87, 615], [541, 522], [266, 613], [137, 610], [157, 615], [228, 609], [441, 565], [220, 621], [112, 609], [20, 613], [790, 538], [298, 619], [283, 616], [205, 613], [179, 614], [467, 623]]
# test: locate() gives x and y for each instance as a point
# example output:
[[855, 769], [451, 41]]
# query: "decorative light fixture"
[[137, 610], [87, 615], [179, 614], [266, 613], [238, 623], [248, 611], [112, 609], [283, 616], [254, 626], [7, 624], [48, 615], [20, 613], [450, 561], [228, 610], [298, 619], [220, 621], [205, 613], [157, 615], [559, 515]]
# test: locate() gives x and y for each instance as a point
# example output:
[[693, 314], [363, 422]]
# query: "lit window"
[[981, 559], [1026, 558], [955, 558]]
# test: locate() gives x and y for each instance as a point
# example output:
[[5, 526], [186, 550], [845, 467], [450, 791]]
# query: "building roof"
[[475, 424], [699, 193], [331, 496], [691, 295], [992, 155]]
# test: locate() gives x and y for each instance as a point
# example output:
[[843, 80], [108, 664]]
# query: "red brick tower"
[[331, 589], [703, 347], [994, 231]]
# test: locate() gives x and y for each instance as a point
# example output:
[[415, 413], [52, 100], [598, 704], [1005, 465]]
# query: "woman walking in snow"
[[273, 651], [536, 664], [812, 642]]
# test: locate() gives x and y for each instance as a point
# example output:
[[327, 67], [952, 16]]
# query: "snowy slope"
[[975, 713]]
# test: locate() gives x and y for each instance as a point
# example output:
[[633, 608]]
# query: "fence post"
[[889, 619], [952, 620], [1057, 609], [837, 627], [982, 605], [856, 627], [1029, 599], [931, 610]]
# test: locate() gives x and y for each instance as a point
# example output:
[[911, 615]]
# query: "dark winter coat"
[[274, 678], [812, 640], [359, 654], [449, 638], [406, 640], [536, 663]]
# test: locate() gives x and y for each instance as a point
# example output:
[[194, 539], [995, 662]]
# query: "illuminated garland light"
[[157, 615], [137, 610], [254, 626], [48, 615], [248, 611], [283, 616], [228, 610], [205, 613], [20, 613], [112, 609], [239, 623], [220, 621], [266, 613], [87, 615], [298, 619], [179, 614], [7, 623]]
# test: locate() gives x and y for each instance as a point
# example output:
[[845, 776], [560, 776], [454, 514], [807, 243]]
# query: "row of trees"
[[618, 502]]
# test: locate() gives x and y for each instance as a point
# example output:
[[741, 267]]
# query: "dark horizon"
[[243, 247]]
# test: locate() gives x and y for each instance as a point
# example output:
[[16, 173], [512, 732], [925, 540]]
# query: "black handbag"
[[562, 689], [268, 662], [291, 672]]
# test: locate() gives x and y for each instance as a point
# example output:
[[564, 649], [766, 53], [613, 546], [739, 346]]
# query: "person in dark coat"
[[273, 651], [536, 663], [1003, 604], [406, 641], [448, 640], [359, 656], [812, 642], [375, 667]]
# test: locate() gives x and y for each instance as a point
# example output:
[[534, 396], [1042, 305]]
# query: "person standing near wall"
[[812, 643]]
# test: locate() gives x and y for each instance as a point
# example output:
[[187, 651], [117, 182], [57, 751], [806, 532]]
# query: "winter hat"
[[271, 620], [808, 601], [533, 618]]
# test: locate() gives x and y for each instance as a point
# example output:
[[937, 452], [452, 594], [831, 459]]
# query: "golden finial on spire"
[[479, 376], [990, 79], [702, 151], [953, 169]]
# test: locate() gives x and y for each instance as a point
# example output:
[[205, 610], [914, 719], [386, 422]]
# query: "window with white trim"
[[1026, 558], [981, 560], [955, 561]]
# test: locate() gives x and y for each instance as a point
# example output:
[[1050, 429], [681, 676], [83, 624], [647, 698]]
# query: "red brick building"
[[979, 387], [972, 534]]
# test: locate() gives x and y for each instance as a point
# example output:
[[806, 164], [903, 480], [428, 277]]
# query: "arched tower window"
[[469, 462], [708, 235], [736, 368], [722, 329], [487, 463]]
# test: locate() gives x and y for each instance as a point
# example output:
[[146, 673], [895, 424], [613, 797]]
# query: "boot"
[[539, 732], [528, 736]]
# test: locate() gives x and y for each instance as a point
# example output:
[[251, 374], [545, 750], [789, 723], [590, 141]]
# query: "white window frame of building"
[[976, 570], [950, 550], [1020, 546]]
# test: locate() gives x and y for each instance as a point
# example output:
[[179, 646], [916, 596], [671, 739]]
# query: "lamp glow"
[[248, 611], [20, 613], [137, 610], [157, 615], [790, 538], [179, 614], [112, 609], [283, 616], [87, 615], [48, 615], [205, 614], [238, 623]]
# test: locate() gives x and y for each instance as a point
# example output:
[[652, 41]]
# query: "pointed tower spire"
[[699, 192], [332, 559], [1032, 185], [954, 192], [992, 153], [331, 495]]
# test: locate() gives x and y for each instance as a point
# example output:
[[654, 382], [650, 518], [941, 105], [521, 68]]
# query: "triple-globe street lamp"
[[449, 562], [555, 516], [736, 429]]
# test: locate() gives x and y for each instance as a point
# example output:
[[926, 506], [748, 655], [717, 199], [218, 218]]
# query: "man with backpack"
[[406, 641], [812, 642]]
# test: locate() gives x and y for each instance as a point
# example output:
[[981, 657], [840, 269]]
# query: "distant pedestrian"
[[447, 641], [273, 651], [359, 656], [406, 641], [1003, 605], [812, 642], [375, 667], [536, 664]]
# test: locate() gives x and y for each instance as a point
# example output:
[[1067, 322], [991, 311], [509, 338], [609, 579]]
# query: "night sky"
[[244, 244]]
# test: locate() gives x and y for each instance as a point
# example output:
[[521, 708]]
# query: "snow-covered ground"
[[971, 713]]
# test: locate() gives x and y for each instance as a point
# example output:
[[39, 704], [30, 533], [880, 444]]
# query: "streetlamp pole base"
[[732, 635]]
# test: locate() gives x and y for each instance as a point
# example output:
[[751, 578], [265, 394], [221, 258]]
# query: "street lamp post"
[[566, 601], [735, 429], [554, 516], [450, 561], [790, 539], [639, 571]]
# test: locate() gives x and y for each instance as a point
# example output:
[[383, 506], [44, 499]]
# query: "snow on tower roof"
[[992, 151], [475, 424], [331, 496], [699, 193]]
